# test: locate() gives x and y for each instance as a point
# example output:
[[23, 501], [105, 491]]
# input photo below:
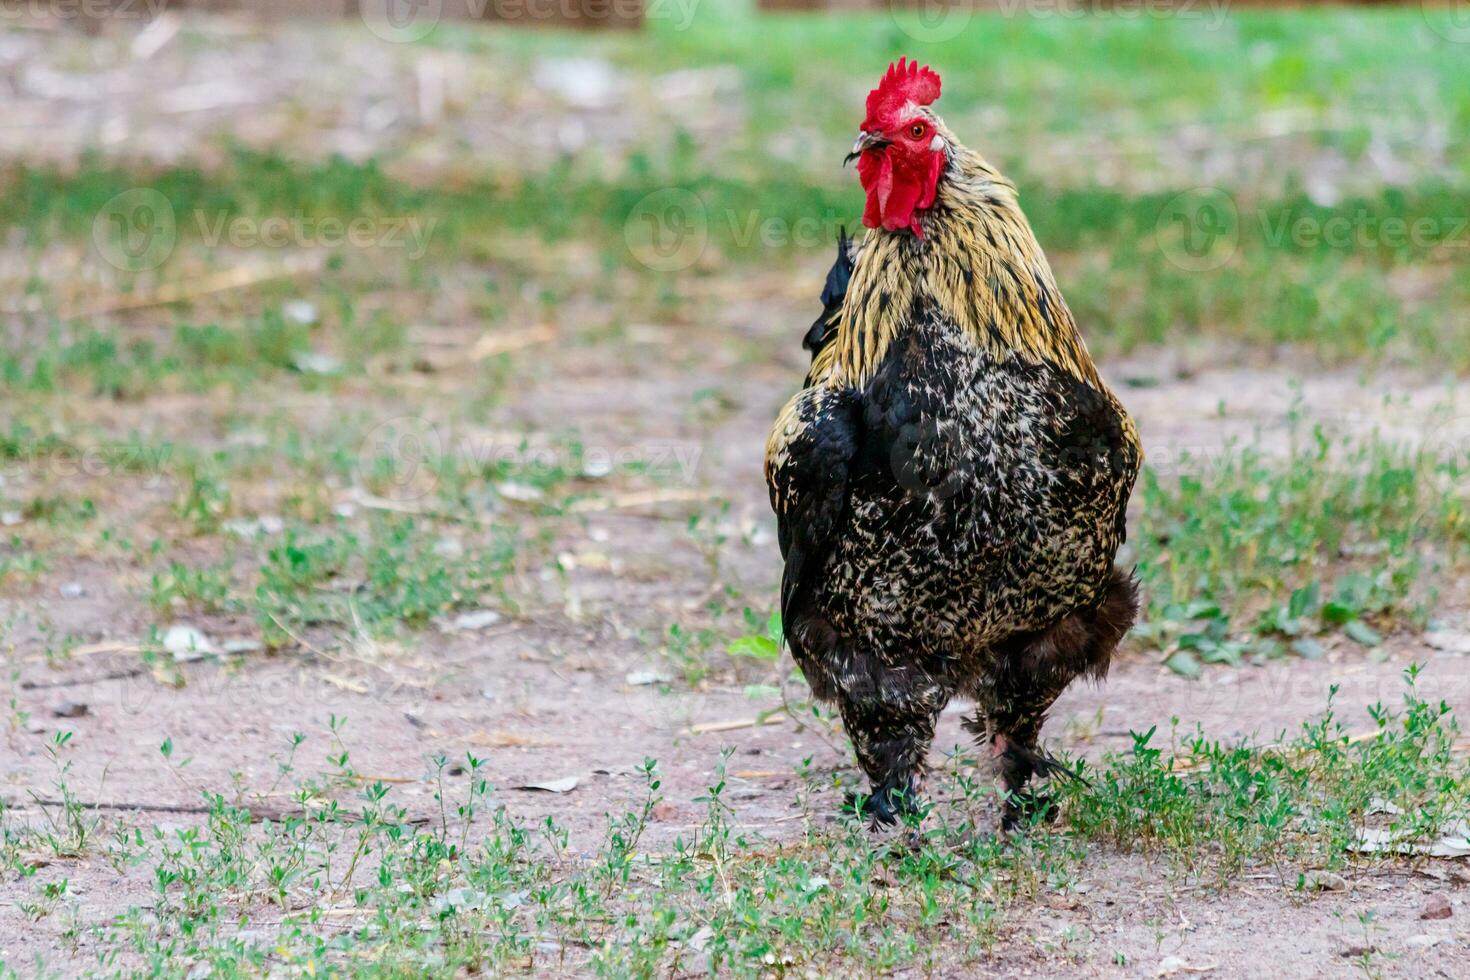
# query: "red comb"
[[904, 82]]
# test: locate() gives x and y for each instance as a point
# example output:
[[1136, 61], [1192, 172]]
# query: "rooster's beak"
[[865, 141]]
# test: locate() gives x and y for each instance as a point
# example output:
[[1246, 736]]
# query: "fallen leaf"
[[553, 785], [501, 739], [346, 683], [639, 498], [492, 344], [92, 649], [704, 728]]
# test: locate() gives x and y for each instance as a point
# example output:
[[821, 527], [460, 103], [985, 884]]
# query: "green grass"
[[1214, 806], [392, 574], [1254, 552], [475, 889], [1282, 270]]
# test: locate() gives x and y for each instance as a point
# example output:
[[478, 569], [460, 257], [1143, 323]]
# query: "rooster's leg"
[[1014, 733], [891, 741], [1030, 674]]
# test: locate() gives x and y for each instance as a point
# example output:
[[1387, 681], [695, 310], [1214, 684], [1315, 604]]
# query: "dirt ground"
[[548, 697], [563, 690]]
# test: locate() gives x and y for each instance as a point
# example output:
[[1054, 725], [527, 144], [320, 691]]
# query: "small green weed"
[[1251, 552]]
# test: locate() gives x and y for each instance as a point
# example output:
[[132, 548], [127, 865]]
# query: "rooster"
[[950, 483]]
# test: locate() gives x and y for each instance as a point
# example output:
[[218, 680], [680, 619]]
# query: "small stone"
[[1437, 906], [1422, 941], [241, 646], [1324, 881], [187, 643], [582, 83], [521, 492], [1170, 965], [10, 518], [250, 527], [73, 590], [643, 678], [70, 709], [596, 469], [1448, 640], [475, 620], [315, 362], [301, 311]]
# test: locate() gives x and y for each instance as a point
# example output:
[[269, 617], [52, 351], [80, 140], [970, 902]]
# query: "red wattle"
[[895, 196]]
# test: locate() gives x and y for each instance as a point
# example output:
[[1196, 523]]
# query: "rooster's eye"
[[917, 131]]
